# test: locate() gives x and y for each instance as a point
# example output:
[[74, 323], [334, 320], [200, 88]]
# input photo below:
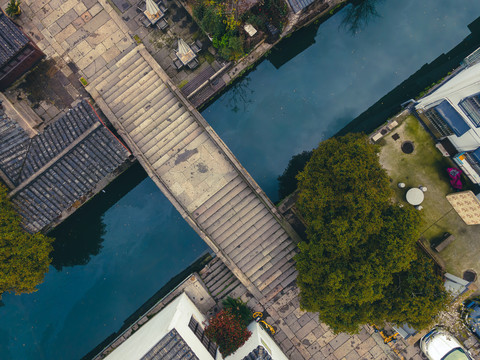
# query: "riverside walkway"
[[197, 172]]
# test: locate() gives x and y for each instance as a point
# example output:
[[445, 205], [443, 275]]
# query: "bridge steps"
[[221, 287], [199, 174]]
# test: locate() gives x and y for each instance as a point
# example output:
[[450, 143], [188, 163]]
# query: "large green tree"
[[359, 242], [24, 258]]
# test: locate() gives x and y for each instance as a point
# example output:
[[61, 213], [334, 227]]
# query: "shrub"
[[13, 8], [227, 331], [239, 309]]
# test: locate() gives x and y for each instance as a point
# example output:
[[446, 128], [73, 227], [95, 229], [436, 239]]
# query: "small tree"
[[23, 257], [227, 331]]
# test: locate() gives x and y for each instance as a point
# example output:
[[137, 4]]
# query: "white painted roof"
[[175, 315], [460, 86]]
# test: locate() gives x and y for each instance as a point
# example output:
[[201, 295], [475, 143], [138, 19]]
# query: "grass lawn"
[[427, 167]]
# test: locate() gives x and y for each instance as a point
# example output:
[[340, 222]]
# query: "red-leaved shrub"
[[227, 331]]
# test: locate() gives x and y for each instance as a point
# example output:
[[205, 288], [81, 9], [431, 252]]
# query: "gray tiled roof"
[[67, 180], [12, 39], [170, 347], [299, 5], [259, 353], [14, 144]]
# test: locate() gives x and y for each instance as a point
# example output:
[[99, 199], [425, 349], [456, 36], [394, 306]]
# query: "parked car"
[[471, 315], [439, 344]]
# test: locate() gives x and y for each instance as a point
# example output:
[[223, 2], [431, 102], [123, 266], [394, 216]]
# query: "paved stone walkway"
[[300, 335], [87, 33]]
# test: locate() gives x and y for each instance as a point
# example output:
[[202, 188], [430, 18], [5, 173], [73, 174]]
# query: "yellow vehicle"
[[258, 318]]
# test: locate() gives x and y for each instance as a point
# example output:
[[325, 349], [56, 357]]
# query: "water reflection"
[[358, 14], [81, 236], [240, 95]]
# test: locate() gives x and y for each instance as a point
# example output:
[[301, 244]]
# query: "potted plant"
[[13, 8]]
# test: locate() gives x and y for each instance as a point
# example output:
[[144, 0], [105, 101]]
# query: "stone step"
[[233, 212], [199, 137], [255, 241], [222, 282], [159, 125], [115, 89], [276, 275], [170, 141], [235, 195], [215, 198], [287, 251], [149, 139], [263, 262], [209, 270], [281, 282], [235, 289], [228, 241], [217, 276], [128, 102], [134, 123], [233, 224], [125, 110], [165, 135], [250, 233], [132, 75], [113, 77], [162, 140]]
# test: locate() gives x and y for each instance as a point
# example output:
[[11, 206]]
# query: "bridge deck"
[[197, 172]]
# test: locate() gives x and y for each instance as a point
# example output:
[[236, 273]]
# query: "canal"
[[124, 245]]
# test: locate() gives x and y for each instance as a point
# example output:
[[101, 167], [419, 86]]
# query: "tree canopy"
[[360, 244], [24, 258]]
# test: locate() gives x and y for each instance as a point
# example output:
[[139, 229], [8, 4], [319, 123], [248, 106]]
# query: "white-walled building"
[[452, 113], [176, 332]]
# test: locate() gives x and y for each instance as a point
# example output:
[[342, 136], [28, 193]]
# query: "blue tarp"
[[452, 118]]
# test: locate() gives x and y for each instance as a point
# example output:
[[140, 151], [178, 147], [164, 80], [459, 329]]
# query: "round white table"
[[415, 196]]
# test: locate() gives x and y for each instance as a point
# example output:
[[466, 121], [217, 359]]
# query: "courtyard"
[[426, 166]]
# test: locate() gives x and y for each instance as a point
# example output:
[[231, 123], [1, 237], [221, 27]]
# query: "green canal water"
[[122, 247]]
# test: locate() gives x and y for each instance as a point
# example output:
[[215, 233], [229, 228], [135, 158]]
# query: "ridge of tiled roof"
[[14, 145], [12, 39], [56, 137]]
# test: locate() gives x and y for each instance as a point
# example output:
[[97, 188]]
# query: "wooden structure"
[[18, 53], [446, 240]]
